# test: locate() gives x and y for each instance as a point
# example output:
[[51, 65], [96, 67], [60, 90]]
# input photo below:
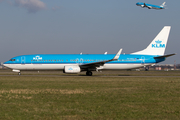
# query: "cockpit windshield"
[[12, 60]]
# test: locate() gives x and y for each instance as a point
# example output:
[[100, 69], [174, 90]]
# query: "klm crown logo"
[[158, 44], [37, 58], [70, 68]]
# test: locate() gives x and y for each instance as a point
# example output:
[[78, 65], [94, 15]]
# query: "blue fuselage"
[[82, 59], [149, 5]]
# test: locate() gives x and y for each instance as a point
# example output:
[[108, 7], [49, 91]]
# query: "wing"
[[149, 7], [101, 63]]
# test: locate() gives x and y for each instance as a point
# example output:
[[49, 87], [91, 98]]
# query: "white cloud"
[[31, 5]]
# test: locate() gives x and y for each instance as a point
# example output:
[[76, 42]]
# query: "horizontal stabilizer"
[[164, 56]]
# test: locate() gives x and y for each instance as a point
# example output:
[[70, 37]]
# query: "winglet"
[[117, 55]]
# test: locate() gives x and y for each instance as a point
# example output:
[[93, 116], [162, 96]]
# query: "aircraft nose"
[[6, 64], [137, 3], [3, 64]]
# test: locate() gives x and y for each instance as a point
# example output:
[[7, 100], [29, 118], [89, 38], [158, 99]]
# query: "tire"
[[89, 73]]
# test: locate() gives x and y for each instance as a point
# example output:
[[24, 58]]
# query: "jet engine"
[[142, 6], [72, 69]]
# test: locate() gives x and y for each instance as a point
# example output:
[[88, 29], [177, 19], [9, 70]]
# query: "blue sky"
[[87, 26]]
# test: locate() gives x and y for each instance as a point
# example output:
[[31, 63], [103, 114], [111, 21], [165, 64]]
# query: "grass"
[[76, 98], [104, 73]]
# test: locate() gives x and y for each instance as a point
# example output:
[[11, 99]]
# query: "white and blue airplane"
[[76, 63], [150, 6]]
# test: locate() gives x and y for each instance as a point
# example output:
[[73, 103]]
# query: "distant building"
[[165, 67]]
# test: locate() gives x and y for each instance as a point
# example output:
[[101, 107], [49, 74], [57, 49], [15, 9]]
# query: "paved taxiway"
[[84, 76]]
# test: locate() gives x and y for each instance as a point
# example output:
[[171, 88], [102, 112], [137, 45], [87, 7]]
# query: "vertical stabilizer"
[[163, 4], [158, 45]]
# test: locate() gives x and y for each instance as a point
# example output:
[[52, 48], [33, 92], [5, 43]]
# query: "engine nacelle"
[[16, 70], [142, 6], [72, 69]]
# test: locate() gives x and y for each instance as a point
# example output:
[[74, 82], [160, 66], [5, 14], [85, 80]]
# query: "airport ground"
[[110, 95]]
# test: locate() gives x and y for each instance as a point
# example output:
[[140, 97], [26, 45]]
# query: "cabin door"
[[23, 60]]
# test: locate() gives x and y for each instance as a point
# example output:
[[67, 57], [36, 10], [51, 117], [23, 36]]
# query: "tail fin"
[[158, 45], [163, 4]]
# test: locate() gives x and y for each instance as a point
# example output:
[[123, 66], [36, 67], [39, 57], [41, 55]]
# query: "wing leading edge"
[[101, 63]]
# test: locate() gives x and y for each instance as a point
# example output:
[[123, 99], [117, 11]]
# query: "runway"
[[120, 76]]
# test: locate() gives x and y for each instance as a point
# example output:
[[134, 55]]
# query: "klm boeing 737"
[[150, 6], [76, 63]]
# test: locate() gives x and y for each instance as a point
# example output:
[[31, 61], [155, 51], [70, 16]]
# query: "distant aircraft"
[[150, 6], [76, 63]]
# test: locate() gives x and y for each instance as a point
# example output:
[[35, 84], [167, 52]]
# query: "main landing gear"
[[19, 73], [147, 68], [89, 73]]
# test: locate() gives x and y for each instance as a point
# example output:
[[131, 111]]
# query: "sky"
[[87, 26]]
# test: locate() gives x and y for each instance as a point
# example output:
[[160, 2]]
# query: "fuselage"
[[150, 6], [75, 63], [58, 61]]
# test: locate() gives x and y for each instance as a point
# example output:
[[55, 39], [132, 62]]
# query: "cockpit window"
[[12, 60]]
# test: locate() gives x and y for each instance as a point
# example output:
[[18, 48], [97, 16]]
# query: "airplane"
[[150, 6], [76, 63]]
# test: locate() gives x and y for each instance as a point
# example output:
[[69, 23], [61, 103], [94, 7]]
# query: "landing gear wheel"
[[89, 73], [146, 68], [19, 73]]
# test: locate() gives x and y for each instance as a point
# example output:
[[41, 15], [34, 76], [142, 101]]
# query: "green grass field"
[[100, 98]]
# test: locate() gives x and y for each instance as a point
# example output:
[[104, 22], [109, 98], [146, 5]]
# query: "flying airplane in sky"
[[150, 6], [76, 63]]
